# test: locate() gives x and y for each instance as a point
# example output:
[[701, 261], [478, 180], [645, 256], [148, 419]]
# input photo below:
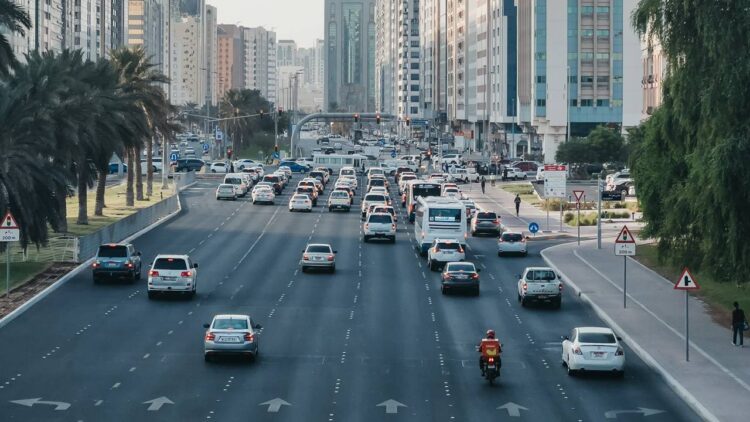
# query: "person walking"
[[517, 201], [482, 182], [738, 324]]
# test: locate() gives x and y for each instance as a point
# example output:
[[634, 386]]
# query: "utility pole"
[[599, 212], [165, 167]]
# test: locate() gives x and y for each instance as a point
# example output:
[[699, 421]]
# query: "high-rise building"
[[654, 71], [230, 59], [432, 34], [286, 53], [188, 60], [260, 61], [211, 55], [319, 64], [386, 42], [350, 55], [146, 28], [584, 62], [408, 60]]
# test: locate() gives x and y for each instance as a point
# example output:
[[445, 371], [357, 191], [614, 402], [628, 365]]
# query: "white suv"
[[172, 273], [379, 225], [442, 251]]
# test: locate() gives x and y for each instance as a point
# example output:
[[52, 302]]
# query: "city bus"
[[439, 217], [337, 161], [418, 188]]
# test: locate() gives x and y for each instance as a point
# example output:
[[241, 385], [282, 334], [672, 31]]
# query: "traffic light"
[[229, 153], [356, 118], [377, 118], [408, 121], [275, 148]]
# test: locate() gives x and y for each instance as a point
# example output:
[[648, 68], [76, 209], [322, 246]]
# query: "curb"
[[77, 270], [681, 391]]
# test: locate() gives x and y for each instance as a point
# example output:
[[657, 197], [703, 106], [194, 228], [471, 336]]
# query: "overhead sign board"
[[9, 231], [555, 179], [686, 281], [625, 243]]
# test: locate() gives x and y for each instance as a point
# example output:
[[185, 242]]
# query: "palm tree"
[[15, 19]]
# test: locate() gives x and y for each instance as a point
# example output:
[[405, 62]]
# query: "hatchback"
[[511, 242], [231, 335], [226, 191], [443, 251]]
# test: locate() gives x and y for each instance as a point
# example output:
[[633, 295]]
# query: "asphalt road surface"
[[375, 341]]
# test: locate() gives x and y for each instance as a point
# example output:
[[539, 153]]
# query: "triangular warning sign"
[[9, 222], [578, 194], [686, 281], [625, 236]]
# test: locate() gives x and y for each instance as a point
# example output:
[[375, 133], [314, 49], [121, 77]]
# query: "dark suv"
[[487, 222], [117, 261], [189, 164], [277, 184]]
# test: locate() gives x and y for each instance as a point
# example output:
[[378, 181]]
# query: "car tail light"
[[475, 276], [186, 274], [306, 257], [367, 226], [619, 352], [393, 226], [559, 287], [496, 221], [577, 351], [460, 250], [96, 264], [153, 273], [437, 249], [210, 336], [249, 337], [130, 264], [330, 257], [525, 287]]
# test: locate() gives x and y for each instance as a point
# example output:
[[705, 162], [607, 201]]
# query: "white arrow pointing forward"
[[612, 414], [275, 404], [391, 406], [513, 409], [157, 403], [59, 405]]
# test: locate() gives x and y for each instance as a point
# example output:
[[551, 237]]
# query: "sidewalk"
[[715, 382]]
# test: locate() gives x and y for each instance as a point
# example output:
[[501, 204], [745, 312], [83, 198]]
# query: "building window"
[[573, 102], [587, 56], [602, 79], [602, 10], [587, 103], [541, 79], [602, 56], [414, 66], [541, 102], [415, 110], [414, 99], [541, 56], [602, 103], [414, 76], [602, 33], [414, 88], [587, 80], [587, 10], [587, 33]]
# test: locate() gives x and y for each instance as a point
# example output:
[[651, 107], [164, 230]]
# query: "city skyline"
[[304, 26]]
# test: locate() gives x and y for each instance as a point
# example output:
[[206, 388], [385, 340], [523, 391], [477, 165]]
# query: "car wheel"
[[523, 302], [393, 239], [557, 303], [442, 290], [499, 253], [151, 294], [365, 238], [620, 374], [333, 268], [473, 234], [97, 280], [213, 171], [570, 371], [207, 357], [476, 291], [304, 269]]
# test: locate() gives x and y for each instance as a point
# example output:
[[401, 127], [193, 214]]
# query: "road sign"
[[206, 147], [625, 243], [275, 155], [625, 236], [393, 154], [219, 134], [578, 194], [9, 231], [533, 227], [555, 178], [686, 281], [173, 157]]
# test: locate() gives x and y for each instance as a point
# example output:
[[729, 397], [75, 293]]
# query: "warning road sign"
[[625, 236], [578, 194], [686, 281], [625, 243], [9, 231]]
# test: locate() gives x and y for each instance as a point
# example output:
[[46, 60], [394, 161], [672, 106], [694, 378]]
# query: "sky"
[[299, 20]]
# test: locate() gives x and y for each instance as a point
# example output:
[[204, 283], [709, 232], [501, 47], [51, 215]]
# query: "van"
[[239, 181]]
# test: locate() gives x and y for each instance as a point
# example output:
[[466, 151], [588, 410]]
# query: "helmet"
[[490, 333]]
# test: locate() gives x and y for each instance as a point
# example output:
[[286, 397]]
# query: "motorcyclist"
[[489, 347]]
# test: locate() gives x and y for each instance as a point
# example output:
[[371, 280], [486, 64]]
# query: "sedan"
[[263, 195], [300, 202], [511, 242], [218, 167], [593, 349], [458, 276], [231, 335], [318, 255]]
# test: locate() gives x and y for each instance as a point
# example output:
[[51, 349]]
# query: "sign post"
[[578, 194], [687, 282], [625, 247], [555, 177], [9, 232]]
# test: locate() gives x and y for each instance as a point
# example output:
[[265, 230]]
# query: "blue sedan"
[[294, 166]]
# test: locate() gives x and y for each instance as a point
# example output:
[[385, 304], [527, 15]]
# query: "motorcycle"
[[491, 368]]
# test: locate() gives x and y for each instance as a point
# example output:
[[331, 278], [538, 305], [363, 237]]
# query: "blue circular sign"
[[393, 154], [205, 147], [173, 157], [533, 227]]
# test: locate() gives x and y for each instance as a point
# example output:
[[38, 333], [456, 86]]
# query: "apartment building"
[[654, 71], [260, 68], [286, 53], [432, 65], [230, 59]]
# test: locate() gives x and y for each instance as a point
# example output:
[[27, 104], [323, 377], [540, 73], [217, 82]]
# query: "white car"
[[452, 192], [339, 200], [218, 167], [511, 242], [172, 274], [379, 189], [379, 225], [593, 349], [351, 180], [239, 181], [263, 195], [226, 191], [286, 170], [516, 173], [244, 163], [463, 175], [443, 251], [451, 159], [300, 202], [318, 255]]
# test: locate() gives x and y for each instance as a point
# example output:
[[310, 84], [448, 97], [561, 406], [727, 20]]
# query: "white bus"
[[337, 161], [418, 188], [439, 217]]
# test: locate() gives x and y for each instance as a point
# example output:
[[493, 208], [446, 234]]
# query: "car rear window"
[[113, 251], [339, 194], [377, 182], [605, 338], [451, 245], [300, 197], [375, 198], [512, 237], [230, 324], [170, 264], [233, 180], [541, 275], [318, 249], [461, 267], [380, 218], [486, 216], [272, 179]]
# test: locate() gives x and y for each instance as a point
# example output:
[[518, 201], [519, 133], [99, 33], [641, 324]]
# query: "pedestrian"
[[505, 173], [517, 201], [738, 324], [482, 182]]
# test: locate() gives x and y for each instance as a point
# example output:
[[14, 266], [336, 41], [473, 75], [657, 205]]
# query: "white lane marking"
[[116, 385], [98, 402], [482, 264], [131, 369], [262, 233], [146, 355], [492, 276]]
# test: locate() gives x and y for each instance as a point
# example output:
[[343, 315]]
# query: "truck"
[[540, 284]]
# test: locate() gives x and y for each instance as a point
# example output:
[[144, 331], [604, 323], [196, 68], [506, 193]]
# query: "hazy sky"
[[299, 20]]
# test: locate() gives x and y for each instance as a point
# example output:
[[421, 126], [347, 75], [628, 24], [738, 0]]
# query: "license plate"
[[169, 278], [490, 366], [599, 355], [462, 277], [541, 296], [229, 339], [111, 264], [318, 258]]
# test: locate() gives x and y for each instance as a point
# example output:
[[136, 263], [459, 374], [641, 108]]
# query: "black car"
[[189, 164], [460, 276], [116, 261]]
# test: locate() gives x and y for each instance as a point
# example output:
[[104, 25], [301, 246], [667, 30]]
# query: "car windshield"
[[113, 251], [170, 264], [380, 218], [463, 267], [230, 324], [486, 216], [318, 249], [540, 275], [233, 180], [512, 237], [603, 338], [375, 198]]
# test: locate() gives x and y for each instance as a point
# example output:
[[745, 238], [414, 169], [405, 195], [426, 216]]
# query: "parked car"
[[172, 274], [231, 334], [189, 164], [116, 261], [590, 349]]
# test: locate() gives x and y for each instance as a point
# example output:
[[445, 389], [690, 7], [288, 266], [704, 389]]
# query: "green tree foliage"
[[14, 18], [600, 146], [690, 159], [244, 131]]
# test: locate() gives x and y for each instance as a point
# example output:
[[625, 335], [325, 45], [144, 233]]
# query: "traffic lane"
[[539, 329], [107, 357], [306, 330]]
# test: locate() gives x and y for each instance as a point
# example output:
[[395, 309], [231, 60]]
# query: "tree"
[[690, 162], [15, 19], [600, 146]]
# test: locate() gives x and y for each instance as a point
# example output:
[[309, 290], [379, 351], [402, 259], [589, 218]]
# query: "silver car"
[[231, 334], [318, 255], [226, 191]]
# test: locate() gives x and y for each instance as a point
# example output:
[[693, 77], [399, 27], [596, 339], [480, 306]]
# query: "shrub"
[[569, 216]]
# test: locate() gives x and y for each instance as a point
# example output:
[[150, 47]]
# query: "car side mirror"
[[206, 325], [619, 338], [564, 337], [195, 265], [257, 326], [479, 270], [559, 277], [335, 251], [139, 253]]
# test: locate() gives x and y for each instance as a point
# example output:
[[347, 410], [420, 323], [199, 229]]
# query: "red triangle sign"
[[9, 222], [578, 194], [687, 281], [625, 236]]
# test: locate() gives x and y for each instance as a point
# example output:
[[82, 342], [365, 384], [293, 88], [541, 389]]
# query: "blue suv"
[[116, 261]]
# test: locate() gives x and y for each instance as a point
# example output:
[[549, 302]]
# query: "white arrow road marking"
[[275, 404], [59, 405], [391, 406], [612, 414], [157, 403], [514, 409]]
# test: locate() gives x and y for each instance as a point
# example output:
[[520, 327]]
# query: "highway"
[[375, 341]]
